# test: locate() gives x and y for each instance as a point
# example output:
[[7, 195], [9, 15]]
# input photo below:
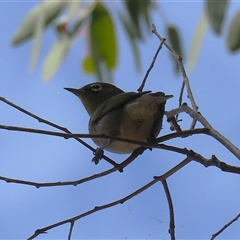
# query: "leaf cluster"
[[96, 21]]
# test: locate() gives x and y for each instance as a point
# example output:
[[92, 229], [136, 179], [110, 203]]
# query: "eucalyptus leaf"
[[102, 40], [88, 65], [233, 37], [216, 11], [138, 12], [174, 38], [37, 42], [48, 9], [56, 56], [130, 30], [196, 41]]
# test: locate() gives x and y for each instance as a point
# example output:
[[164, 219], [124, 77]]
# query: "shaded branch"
[[185, 133]]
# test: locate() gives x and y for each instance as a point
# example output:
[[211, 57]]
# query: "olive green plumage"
[[129, 115]]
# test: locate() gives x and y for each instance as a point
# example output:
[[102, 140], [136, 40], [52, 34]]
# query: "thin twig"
[[104, 136], [214, 161], [171, 211], [57, 127], [180, 99], [178, 58], [53, 184], [225, 226], [140, 89], [174, 169], [184, 108], [183, 133], [93, 210], [111, 204], [70, 230], [126, 162]]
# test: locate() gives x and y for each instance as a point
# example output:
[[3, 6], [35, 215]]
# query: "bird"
[[135, 116]]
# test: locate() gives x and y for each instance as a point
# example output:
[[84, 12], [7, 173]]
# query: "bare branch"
[[111, 204], [140, 89], [57, 127], [199, 158], [184, 133], [85, 135], [212, 132], [171, 211], [95, 209], [59, 183], [33, 115], [186, 83], [225, 226], [70, 230], [174, 169]]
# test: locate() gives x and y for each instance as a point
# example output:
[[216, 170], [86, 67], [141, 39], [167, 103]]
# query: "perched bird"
[[128, 115]]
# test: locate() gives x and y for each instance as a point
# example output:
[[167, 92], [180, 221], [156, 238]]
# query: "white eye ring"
[[96, 87]]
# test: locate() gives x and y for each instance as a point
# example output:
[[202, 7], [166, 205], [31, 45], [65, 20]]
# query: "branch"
[[54, 184], [185, 133], [57, 127], [197, 157], [214, 161], [70, 230], [212, 132], [111, 204], [163, 178], [170, 204], [225, 226], [140, 89], [186, 83], [93, 210]]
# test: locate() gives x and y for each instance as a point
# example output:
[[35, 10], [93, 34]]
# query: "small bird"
[[128, 115]]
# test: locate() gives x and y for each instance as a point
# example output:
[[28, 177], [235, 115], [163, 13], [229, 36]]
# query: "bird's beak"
[[168, 96], [73, 90]]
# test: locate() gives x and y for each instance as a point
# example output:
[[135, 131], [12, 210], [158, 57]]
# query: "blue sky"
[[204, 198]]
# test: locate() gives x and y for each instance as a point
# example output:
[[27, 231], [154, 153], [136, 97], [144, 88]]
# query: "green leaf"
[[196, 41], [233, 37], [102, 40], [37, 42], [216, 11], [174, 38], [134, 19], [88, 65], [56, 56], [130, 30], [137, 12], [47, 10]]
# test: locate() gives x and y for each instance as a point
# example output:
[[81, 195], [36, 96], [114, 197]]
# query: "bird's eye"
[[96, 87]]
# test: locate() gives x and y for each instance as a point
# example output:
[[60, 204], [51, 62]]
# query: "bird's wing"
[[115, 102]]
